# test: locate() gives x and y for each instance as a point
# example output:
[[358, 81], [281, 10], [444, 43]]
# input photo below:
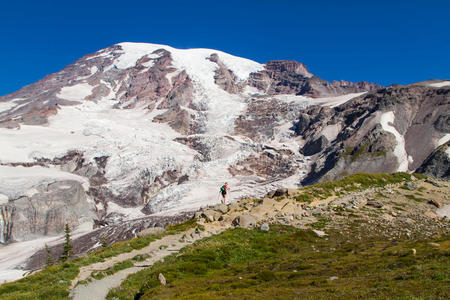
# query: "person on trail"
[[223, 191]]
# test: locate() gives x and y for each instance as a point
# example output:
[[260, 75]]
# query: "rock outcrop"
[[291, 77], [437, 163], [392, 129]]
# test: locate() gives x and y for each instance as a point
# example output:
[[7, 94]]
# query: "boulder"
[[411, 186], [162, 279], [435, 203], [319, 233], [150, 231], [333, 278], [244, 221], [221, 208], [281, 192], [233, 207], [278, 193], [211, 215], [375, 204], [264, 227]]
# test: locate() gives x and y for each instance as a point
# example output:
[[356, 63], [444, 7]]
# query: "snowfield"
[[440, 84], [387, 122]]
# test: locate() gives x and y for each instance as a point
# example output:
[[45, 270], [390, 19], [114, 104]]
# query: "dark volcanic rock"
[[303, 123], [315, 146], [291, 77], [437, 163]]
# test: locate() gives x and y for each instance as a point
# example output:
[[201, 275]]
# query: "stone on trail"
[[150, 231], [234, 207], [221, 208], [264, 227], [211, 215], [162, 279], [244, 221], [319, 233], [375, 204], [435, 203], [332, 278]]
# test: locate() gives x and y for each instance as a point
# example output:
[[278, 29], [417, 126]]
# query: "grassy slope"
[[367, 269], [371, 268], [266, 262], [54, 282]]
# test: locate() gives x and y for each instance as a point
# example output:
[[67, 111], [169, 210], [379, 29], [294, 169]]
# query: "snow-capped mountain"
[[139, 129]]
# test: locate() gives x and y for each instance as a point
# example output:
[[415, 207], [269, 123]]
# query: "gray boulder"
[[211, 215], [244, 221], [162, 279], [264, 227], [221, 208]]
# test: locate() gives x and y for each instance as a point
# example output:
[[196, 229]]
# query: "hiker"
[[223, 191]]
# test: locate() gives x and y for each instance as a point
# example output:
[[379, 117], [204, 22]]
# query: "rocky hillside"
[[314, 241], [139, 130], [392, 129]]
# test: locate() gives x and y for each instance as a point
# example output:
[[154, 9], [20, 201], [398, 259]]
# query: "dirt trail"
[[98, 289]]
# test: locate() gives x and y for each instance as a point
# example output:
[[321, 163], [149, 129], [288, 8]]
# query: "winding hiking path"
[[159, 249]]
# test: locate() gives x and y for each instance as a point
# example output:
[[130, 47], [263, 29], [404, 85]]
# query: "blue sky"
[[379, 41]]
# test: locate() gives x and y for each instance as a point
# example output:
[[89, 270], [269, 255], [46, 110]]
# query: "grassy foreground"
[[289, 263], [53, 282]]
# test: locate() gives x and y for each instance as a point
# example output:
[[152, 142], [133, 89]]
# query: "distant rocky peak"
[[291, 66]]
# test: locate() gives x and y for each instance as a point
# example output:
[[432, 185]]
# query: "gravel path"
[[98, 289]]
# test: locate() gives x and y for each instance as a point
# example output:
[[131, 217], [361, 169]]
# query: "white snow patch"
[[325, 101], [440, 84], [443, 139], [331, 131], [76, 92], [93, 70], [387, 123], [338, 100], [7, 105]]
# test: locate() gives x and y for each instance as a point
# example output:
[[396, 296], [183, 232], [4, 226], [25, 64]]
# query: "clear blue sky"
[[380, 41]]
